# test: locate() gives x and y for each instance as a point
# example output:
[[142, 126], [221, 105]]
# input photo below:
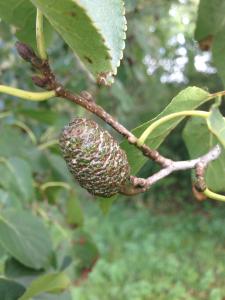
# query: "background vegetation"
[[160, 245]]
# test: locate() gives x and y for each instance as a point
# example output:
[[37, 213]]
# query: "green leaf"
[[216, 124], [44, 116], [54, 282], [59, 168], [63, 296], [10, 290], [131, 5], [119, 92], [218, 50], [9, 199], [25, 238], [84, 251], [95, 30], [12, 143], [106, 203], [14, 269], [74, 212], [22, 14], [22, 177], [199, 140], [188, 99], [17, 179], [210, 18]]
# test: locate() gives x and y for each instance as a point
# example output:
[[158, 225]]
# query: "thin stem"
[[46, 217], [153, 126], [213, 195], [31, 96], [5, 114], [27, 130], [142, 184], [218, 94], [3, 160], [40, 35], [51, 184], [48, 144]]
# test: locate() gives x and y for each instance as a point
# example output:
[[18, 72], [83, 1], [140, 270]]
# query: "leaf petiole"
[[30, 96], [154, 125], [40, 35], [51, 184], [213, 196]]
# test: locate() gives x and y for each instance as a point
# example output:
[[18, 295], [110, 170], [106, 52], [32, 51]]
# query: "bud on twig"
[[40, 81], [25, 51], [28, 54]]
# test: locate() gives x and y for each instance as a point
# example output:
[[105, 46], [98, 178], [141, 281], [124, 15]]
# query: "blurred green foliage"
[[157, 254], [159, 248]]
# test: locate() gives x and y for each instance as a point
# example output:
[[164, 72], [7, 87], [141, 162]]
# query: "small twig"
[[200, 183], [200, 164]]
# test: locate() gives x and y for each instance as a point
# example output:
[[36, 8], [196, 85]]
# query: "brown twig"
[[137, 185], [199, 164]]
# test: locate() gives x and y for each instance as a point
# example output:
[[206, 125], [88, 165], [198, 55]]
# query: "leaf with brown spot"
[[94, 30]]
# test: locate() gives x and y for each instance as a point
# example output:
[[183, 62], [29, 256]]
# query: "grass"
[[149, 254]]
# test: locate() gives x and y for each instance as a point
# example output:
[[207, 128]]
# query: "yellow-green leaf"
[[51, 283]]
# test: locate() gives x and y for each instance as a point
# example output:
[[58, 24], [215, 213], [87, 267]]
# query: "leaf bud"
[[25, 51]]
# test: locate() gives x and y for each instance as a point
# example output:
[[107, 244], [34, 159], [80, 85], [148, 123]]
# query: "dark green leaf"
[[10, 290], [218, 50], [22, 14], [14, 269], [210, 18], [25, 238]]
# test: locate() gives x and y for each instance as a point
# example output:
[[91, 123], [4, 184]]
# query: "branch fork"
[[199, 164]]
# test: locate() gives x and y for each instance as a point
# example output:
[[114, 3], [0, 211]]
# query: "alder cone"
[[94, 157]]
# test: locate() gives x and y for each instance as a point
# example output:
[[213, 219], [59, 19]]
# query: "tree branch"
[[140, 185], [137, 185]]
